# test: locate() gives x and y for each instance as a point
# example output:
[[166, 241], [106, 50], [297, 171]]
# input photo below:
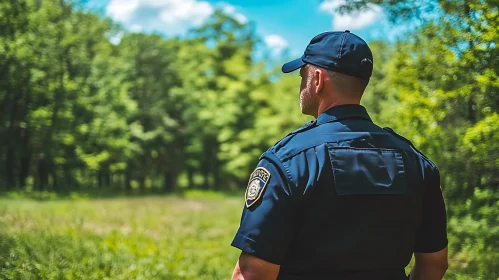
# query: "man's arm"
[[430, 249], [250, 267], [430, 266], [267, 223]]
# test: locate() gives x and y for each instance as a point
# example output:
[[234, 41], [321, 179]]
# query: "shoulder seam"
[[288, 174], [400, 137], [308, 148], [304, 127]]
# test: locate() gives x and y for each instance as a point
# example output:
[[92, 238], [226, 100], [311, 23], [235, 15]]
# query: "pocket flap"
[[368, 171]]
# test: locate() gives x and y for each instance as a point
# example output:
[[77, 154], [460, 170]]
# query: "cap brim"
[[292, 65]]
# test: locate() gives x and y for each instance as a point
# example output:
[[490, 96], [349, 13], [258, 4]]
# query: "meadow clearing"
[[178, 236], [156, 237]]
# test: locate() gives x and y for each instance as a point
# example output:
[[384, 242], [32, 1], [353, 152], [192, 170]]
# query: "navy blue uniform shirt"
[[342, 198]]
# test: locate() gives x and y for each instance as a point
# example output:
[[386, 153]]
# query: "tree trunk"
[[142, 183], [12, 140], [25, 162], [170, 181], [68, 178], [216, 174], [190, 177], [206, 178], [55, 178], [209, 157], [9, 168], [215, 164], [128, 179], [25, 135], [99, 179], [121, 181], [107, 178], [42, 174]]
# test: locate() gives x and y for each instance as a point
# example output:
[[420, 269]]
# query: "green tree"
[[216, 67], [156, 125]]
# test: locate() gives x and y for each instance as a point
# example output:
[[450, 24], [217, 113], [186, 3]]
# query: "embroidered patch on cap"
[[256, 185]]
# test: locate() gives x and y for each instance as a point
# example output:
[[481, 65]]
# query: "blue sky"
[[282, 24]]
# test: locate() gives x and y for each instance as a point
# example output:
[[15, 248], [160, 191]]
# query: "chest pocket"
[[368, 171]]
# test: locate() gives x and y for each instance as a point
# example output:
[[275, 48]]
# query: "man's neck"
[[325, 106]]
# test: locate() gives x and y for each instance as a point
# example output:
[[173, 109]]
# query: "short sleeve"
[[267, 223], [432, 235]]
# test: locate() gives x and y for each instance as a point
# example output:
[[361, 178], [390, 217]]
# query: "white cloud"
[[231, 10], [354, 20], [172, 17], [188, 11], [276, 43], [136, 28], [116, 38], [241, 18], [121, 10]]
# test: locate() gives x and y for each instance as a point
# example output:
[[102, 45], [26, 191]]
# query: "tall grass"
[[182, 236], [161, 237]]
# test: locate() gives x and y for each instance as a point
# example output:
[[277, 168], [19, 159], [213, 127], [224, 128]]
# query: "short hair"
[[345, 83], [348, 84]]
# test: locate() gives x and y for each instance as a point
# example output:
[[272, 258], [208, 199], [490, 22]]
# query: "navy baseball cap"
[[338, 51]]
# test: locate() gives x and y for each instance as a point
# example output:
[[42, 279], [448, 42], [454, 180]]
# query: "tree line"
[[78, 111]]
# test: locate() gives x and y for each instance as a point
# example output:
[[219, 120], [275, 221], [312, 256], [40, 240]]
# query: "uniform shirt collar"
[[341, 112]]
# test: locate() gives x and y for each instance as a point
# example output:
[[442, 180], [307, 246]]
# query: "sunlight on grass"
[[157, 237], [184, 236]]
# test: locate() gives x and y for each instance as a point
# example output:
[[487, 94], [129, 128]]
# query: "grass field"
[[154, 237], [157, 237]]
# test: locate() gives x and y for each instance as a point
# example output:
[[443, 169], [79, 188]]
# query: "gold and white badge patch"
[[256, 185]]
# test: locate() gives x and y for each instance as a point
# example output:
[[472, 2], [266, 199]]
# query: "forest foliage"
[[79, 111]]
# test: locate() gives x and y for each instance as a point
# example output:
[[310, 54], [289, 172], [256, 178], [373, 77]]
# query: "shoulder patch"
[[256, 185]]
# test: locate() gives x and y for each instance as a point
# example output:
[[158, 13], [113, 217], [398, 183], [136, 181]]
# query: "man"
[[341, 198]]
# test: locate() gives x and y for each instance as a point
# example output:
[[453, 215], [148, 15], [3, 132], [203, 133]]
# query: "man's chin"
[[307, 112]]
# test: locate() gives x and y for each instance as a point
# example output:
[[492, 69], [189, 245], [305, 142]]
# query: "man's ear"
[[319, 79]]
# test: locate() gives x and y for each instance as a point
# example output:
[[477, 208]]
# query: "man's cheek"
[[303, 85]]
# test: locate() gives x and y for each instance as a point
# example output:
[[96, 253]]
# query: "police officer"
[[341, 198]]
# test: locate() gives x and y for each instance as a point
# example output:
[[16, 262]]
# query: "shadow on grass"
[[116, 193]]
